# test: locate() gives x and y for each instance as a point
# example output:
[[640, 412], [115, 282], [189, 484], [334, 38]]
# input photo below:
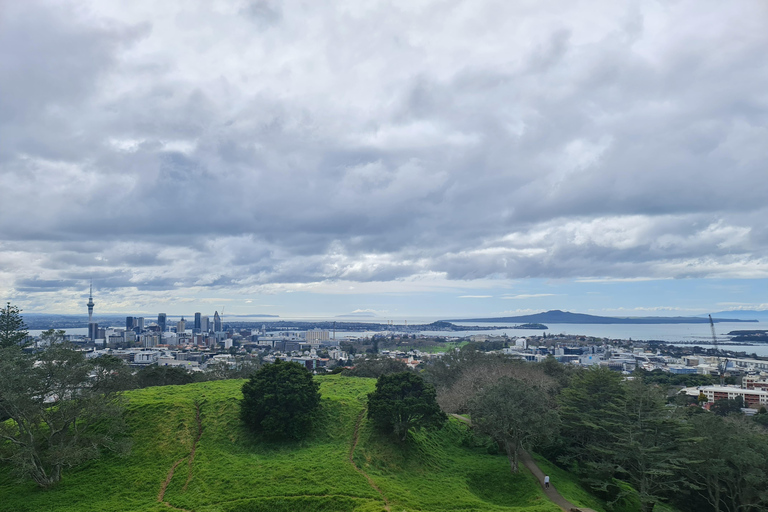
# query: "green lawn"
[[233, 473]]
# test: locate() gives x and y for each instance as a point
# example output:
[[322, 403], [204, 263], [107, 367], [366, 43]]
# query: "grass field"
[[230, 472]]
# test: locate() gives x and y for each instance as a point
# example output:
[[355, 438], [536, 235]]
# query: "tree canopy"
[[515, 414], [12, 328], [280, 400], [58, 414], [403, 402]]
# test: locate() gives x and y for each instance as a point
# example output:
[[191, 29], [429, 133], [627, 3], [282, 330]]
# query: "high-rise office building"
[[139, 322], [181, 326], [161, 321], [128, 323], [216, 322], [204, 324], [198, 322]]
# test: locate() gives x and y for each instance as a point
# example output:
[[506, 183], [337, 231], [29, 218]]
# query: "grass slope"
[[233, 473]]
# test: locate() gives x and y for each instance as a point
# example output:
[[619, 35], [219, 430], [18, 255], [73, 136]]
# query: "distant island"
[[566, 317], [749, 336]]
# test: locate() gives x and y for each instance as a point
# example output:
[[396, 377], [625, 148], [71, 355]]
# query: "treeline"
[[632, 442]]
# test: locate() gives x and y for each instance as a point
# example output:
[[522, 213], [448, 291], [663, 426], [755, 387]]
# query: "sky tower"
[[90, 304]]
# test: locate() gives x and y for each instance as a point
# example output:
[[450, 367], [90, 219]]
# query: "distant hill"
[[566, 317], [744, 314]]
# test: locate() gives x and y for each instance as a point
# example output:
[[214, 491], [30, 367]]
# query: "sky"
[[395, 159]]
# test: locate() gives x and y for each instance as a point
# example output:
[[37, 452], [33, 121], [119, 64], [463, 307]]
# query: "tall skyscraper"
[[161, 321], [198, 320], [205, 326], [216, 322], [93, 330], [181, 326], [128, 323]]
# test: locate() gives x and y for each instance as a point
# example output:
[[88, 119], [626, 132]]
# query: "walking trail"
[[529, 463], [190, 459], [355, 438]]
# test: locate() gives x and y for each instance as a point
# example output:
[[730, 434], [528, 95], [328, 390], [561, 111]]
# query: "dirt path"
[[352, 460], [190, 458], [529, 463], [194, 445]]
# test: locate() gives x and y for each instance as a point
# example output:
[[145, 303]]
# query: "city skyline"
[[416, 159]]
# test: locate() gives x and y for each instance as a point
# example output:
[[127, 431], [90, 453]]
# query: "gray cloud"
[[255, 144]]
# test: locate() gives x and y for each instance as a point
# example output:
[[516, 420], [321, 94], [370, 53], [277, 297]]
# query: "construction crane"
[[722, 363]]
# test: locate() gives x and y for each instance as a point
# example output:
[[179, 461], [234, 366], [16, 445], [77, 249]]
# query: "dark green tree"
[[58, 415], [517, 415], [280, 400], [728, 406], [730, 468], [649, 446], [403, 402], [163, 376], [588, 408], [12, 329]]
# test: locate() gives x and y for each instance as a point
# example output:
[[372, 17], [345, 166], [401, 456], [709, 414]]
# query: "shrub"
[[402, 402], [279, 401]]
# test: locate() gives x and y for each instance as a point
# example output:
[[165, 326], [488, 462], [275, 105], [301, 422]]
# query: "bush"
[[279, 401], [163, 376], [376, 366], [402, 402]]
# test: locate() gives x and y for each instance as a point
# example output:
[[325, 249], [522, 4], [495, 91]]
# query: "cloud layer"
[[257, 146]]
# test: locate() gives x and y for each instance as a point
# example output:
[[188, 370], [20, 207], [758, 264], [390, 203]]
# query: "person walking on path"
[[546, 481]]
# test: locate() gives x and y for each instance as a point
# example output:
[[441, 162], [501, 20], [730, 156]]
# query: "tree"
[[587, 410], [12, 329], [648, 448], [403, 402], [727, 406], [516, 415], [376, 366], [58, 414], [730, 469], [279, 401], [163, 376]]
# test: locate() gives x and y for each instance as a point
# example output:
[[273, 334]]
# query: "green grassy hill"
[[228, 472]]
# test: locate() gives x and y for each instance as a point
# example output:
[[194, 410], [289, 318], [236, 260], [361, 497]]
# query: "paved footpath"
[[529, 463]]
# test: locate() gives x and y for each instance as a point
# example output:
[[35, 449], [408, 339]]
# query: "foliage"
[[515, 414], [59, 416], [586, 408], [731, 468], [559, 372], [403, 402], [376, 366], [221, 370], [13, 332], [667, 379], [280, 400], [727, 406], [232, 470], [648, 447], [482, 373], [155, 375]]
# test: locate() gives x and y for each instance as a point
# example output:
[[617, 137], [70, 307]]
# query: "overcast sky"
[[407, 158]]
